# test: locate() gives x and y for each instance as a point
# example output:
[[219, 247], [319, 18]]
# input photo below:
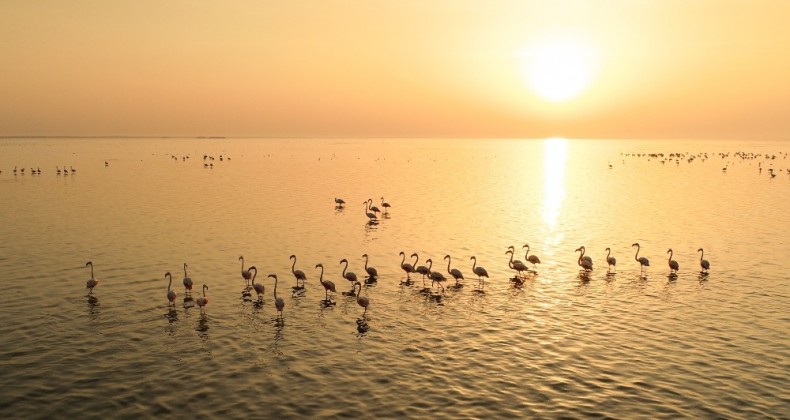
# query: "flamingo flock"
[[436, 276]]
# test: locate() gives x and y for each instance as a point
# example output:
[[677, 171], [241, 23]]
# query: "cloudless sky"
[[665, 69]]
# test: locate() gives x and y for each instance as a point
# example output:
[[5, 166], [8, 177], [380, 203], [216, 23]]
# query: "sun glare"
[[559, 70]]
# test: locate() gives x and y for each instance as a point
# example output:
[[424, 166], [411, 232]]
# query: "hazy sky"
[[662, 69]]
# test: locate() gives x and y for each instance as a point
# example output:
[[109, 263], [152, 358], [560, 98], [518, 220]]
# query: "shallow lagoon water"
[[558, 345]]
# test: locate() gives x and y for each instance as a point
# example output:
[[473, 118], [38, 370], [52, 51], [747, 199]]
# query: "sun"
[[560, 69]]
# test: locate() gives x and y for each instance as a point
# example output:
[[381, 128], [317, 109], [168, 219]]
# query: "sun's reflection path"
[[555, 153]]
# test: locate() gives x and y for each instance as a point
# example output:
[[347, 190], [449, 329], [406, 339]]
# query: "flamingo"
[[408, 268], [362, 301], [436, 277], [299, 274], [372, 272], [703, 263], [171, 294], [673, 265], [385, 205], [328, 285], [480, 271], [456, 273], [585, 257], [610, 260], [373, 208], [245, 274], [531, 258], [187, 282], [371, 216], [420, 269], [259, 288], [350, 276], [643, 262], [203, 300], [93, 282], [515, 265], [340, 202], [279, 303], [586, 264]]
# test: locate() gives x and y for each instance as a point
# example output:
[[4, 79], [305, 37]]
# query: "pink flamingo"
[[643, 262], [171, 294], [93, 282], [456, 273], [362, 301], [531, 258], [480, 271], [673, 265], [328, 285], [611, 261], [703, 263], [257, 286], [299, 274], [279, 303], [187, 282], [245, 274], [203, 300]]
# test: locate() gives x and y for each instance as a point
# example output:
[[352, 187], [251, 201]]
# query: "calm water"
[[620, 346]]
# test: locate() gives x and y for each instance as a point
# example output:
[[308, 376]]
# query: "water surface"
[[561, 344]]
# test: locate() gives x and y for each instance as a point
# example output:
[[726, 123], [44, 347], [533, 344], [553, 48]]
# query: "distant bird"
[[350, 276], [245, 274], [279, 303], [703, 263], [259, 288], [531, 258], [93, 282], [385, 205], [456, 273], [611, 261], [299, 274], [328, 285], [371, 216], [516, 265], [203, 300], [340, 202], [586, 264], [479, 271], [171, 294], [408, 268], [673, 265], [187, 282], [372, 272], [643, 262]]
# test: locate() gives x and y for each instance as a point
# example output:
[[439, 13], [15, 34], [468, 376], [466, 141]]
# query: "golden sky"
[[651, 69]]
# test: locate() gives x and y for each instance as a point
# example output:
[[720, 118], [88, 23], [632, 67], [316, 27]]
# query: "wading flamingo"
[[362, 301], [279, 303], [480, 271], [703, 263], [93, 281], [373, 274], [456, 273], [643, 262], [531, 258], [328, 285], [171, 294], [610, 260], [259, 289], [673, 265], [187, 282], [299, 274], [203, 300]]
